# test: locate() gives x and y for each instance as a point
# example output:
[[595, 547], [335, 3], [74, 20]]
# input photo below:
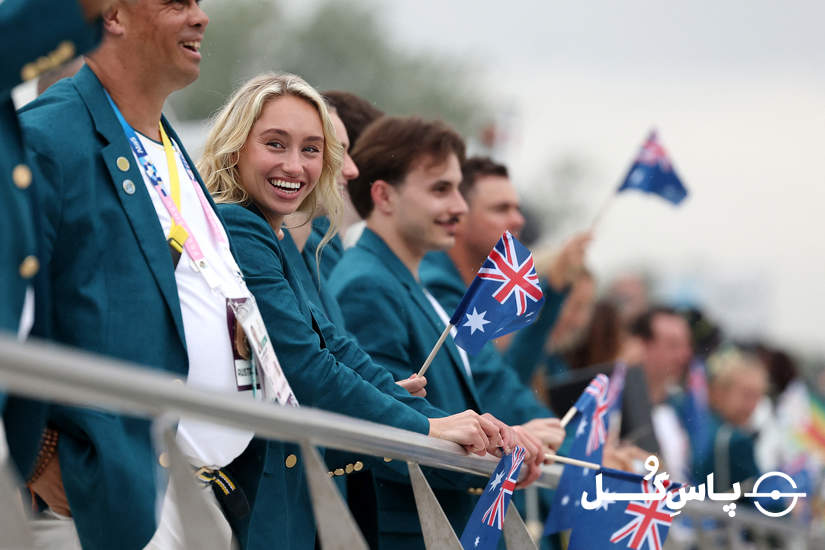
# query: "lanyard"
[[179, 236]]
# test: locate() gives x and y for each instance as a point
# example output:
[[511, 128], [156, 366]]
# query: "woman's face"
[[283, 156]]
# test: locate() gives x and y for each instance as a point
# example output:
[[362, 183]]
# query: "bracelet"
[[48, 450]]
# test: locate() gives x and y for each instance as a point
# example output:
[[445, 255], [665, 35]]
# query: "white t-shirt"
[[673, 441], [211, 365], [442, 314]]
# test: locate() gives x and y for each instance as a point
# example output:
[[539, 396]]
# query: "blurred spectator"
[[738, 381], [630, 294], [666, 352], [705, 333], [572, 324]]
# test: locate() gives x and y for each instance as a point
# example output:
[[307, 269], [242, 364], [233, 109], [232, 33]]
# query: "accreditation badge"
[[263, 359]]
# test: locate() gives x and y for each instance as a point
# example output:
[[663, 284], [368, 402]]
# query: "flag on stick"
[[652, 172], [504, 296], [483, 530], [591, 431]]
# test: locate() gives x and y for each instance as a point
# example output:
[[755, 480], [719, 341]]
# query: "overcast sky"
[[737, 91]]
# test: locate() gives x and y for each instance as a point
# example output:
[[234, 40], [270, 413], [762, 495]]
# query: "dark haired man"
[[407, 191]]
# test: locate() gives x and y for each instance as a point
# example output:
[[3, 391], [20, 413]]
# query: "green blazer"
[[387, 311], [29, 30], [324, 365], [109, 288]]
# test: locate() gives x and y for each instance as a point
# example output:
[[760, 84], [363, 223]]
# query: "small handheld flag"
[[483, 530], [588, 443], [504, 296], [652, 172], [637, 524]]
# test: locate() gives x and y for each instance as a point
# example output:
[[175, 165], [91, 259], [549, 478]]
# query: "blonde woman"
[[272, 151]]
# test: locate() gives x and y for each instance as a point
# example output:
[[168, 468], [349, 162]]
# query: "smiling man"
[[407, 191], [120, 276]]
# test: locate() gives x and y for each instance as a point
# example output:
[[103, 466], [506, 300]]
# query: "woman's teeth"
[[288, 186]]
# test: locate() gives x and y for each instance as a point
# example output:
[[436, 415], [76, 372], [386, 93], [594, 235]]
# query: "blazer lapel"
[[137, 205], [377, 246]]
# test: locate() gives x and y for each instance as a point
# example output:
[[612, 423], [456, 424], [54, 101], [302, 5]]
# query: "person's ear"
[[383, 196], [113, 20]]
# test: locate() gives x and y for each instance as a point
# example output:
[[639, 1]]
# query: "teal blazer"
[[109, 288], [30, 29], [387, 311], [324, 366], [499, 387]]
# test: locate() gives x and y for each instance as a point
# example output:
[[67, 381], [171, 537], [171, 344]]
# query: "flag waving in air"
[[504, 296], [483, 530], [652, 172]]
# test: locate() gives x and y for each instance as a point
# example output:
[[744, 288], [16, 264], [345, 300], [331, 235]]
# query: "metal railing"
[[59, 374]]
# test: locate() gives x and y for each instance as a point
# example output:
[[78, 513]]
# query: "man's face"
[[493, 209], [427, 205], [739, 397], [669, 351], [166, 36], [349, 171]]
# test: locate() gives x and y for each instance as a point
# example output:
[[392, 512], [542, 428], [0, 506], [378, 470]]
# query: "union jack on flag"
[[483, 530], [505, 294], [598, 389], [648, 515], [494, 516], [608, 526], [652, 172]]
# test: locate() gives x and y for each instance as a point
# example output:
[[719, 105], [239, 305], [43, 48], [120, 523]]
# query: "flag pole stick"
[[572, 461], [435, 349], [568, 416], [602, 211]]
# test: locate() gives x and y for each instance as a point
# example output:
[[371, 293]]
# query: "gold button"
[[129, 187], [291, 461], [330, 473], [387, 459], [358, 466], [339, 471], [22, 176], [349, 468], [29, 267], [122, 164], [163, 460]]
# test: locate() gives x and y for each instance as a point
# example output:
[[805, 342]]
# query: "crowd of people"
[[311, 257]]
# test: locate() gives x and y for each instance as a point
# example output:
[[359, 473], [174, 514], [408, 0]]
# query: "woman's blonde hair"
[[230, 129]]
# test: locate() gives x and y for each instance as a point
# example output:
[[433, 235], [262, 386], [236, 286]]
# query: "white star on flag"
[[496, 481], [478, 540], [565, 499], [476, 321], [581, 428], [605, 502]]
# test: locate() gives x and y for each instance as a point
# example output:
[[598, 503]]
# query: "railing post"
[[515, 532], [14, 525], [337, 529], [436, 528], [198, 521]]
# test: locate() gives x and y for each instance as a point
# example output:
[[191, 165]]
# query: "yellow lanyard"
[[177, 234]]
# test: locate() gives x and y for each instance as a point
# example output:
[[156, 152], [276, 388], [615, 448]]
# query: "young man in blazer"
[[407, 191]]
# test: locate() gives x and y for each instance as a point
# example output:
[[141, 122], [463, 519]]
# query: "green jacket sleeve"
[[316, 376]]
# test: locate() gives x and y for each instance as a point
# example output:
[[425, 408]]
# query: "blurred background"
[[565, 93]]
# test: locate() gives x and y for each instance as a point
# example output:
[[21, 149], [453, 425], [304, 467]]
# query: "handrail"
[[51, 372]]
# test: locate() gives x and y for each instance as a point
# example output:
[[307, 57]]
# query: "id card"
[[275, 385], [241, 355]]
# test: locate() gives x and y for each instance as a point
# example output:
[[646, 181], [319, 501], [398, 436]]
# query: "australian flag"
[[652, 172], [637, 524], [588, 444], [483, 530], [505, 296]]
